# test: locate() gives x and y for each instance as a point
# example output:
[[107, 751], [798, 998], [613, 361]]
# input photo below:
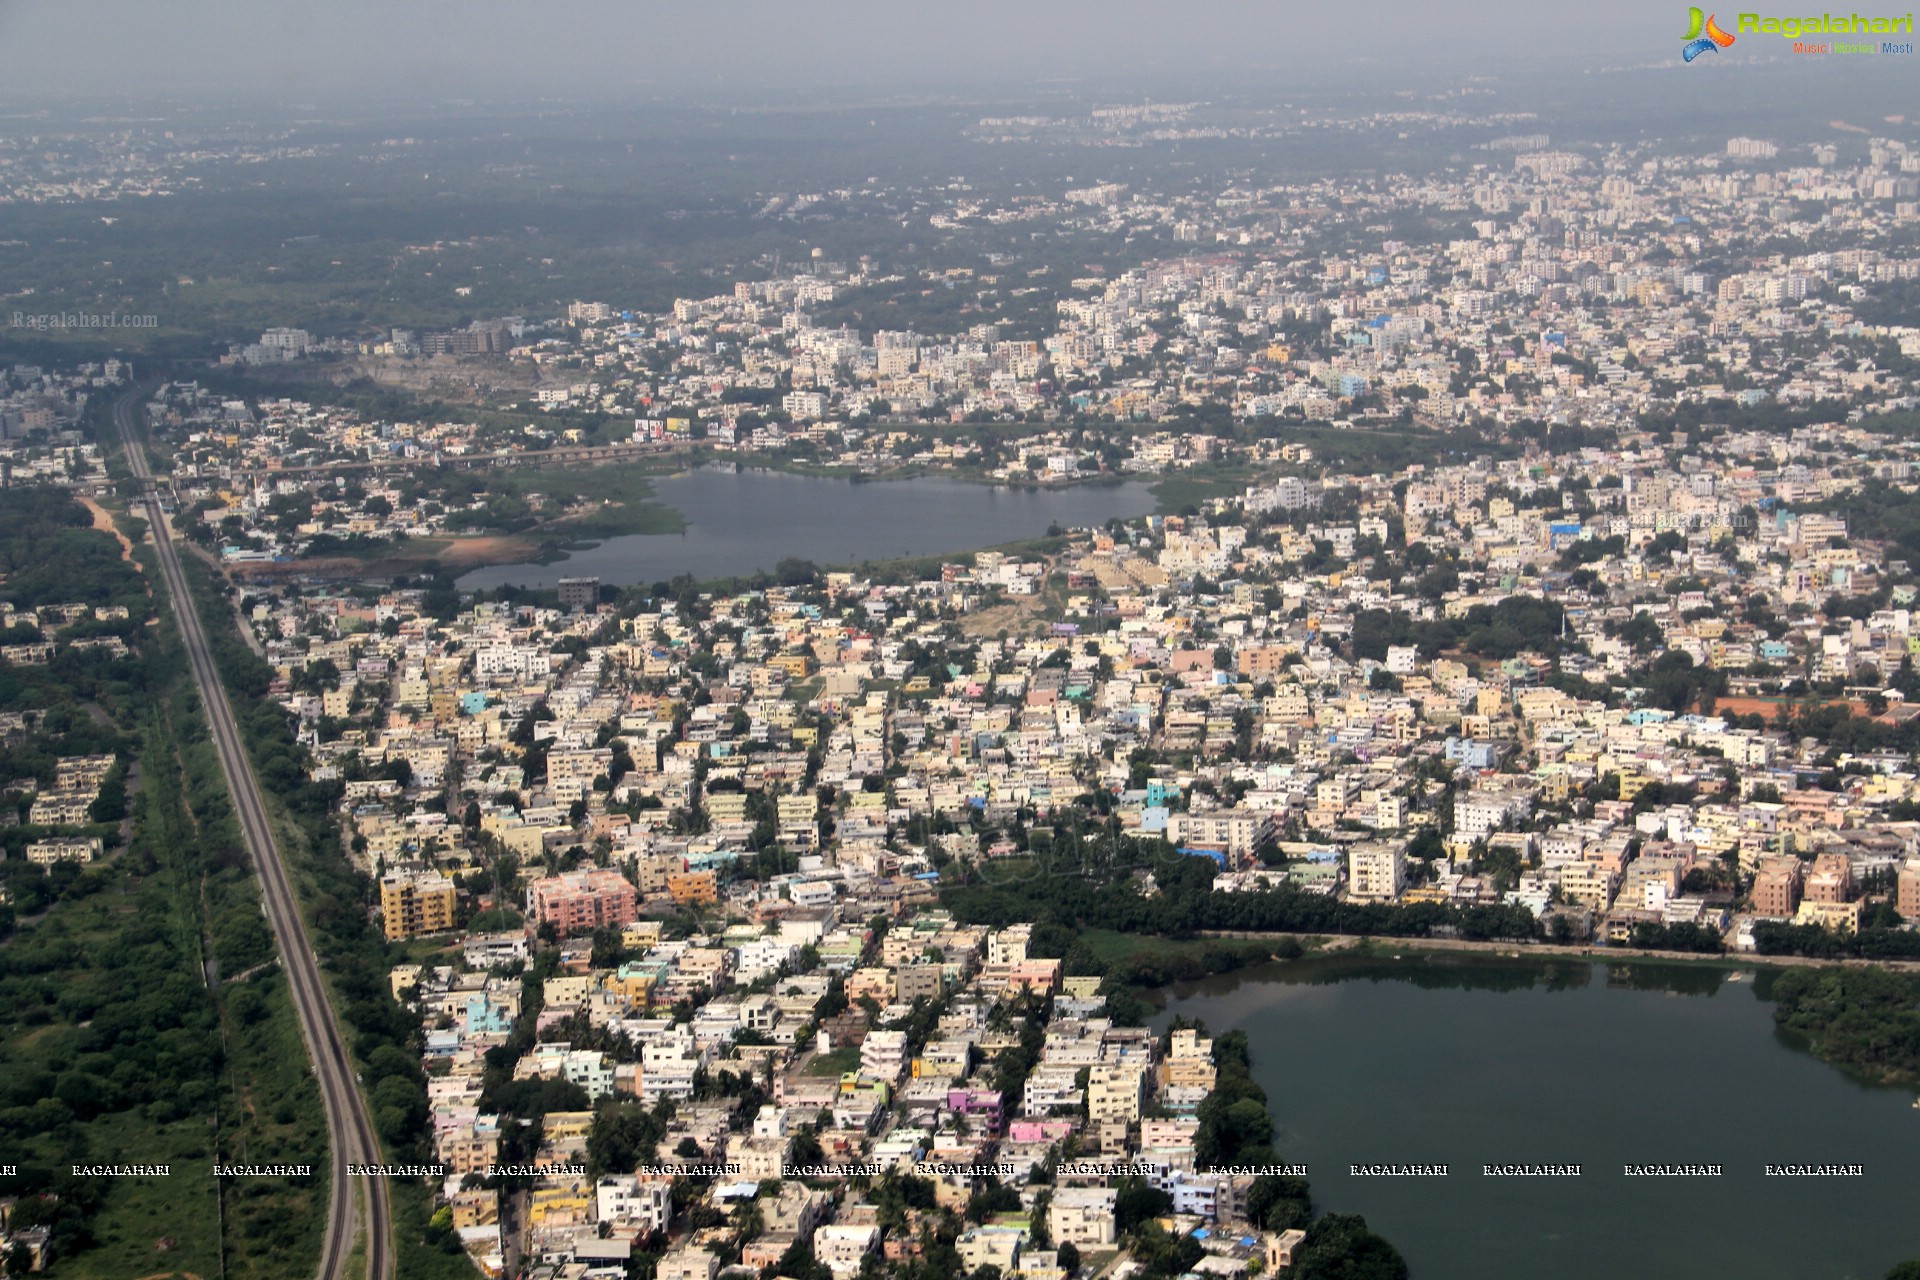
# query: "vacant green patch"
[[117, 1054], [551, 507], [624, 482], [837, 1063], [421, 1253], [150, 1225], [1175, 494]]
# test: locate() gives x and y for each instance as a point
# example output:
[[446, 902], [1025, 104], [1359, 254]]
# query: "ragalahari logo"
[[1703, 35]]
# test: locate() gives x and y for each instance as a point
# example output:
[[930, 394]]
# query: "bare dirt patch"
[[454, 554], [469, 553], [1014, 619], [1772, 708], [103, 521]]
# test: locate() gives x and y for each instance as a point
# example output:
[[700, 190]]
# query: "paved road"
[[1576, 950], [563, 456], [349, 1124]]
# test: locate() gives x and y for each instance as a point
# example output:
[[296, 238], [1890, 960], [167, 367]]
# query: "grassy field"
[[162, 1225], [461, 553], [139, 1225], [1110, 946], [836, 1063], [114, 1050], [249, 1102], [625, 490], [412, 1207], [1177, 492]]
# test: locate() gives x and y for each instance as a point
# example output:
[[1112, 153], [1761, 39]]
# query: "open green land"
[[557, 505], [114, 1049]]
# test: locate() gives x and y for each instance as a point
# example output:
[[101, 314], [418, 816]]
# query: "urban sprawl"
[[1552, 584]]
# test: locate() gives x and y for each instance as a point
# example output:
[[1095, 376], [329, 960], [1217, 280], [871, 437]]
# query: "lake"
[[742, 522], [1469, 1061]]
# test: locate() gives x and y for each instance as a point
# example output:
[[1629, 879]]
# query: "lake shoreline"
[[644, 515], [1474, 1060], [1510, 949], [742, 520]]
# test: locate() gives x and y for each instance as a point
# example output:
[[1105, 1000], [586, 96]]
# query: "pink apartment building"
[[582, 901]]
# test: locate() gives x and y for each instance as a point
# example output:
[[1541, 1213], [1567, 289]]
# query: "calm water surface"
[[1467, 1062], [742, 522]]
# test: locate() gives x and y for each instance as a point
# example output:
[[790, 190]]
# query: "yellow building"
[[1841, 917], [561, 1206], [800, 810], [1187, 1072], [640, 934], [727, 806], [1115, 1091], [689, 888], [632, 982], [562, 1127], [414, 903], [798, 666], [474, 1209]]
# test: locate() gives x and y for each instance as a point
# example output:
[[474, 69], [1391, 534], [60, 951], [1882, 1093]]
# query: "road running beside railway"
[[350, 1129]]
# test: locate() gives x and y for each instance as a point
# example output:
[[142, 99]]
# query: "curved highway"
[[349, 1124]]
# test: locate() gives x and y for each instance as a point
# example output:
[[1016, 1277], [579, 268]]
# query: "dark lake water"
[[743, 522], [1468, 1061]]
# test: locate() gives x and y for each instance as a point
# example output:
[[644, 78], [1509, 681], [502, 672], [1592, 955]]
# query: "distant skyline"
[[615, 48]]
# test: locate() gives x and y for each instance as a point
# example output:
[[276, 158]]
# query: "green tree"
[[1340, 1246]]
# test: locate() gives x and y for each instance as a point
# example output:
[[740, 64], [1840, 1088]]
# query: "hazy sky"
[[482, 48]]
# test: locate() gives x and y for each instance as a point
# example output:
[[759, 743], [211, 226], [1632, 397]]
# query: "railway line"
[[349, 1122]]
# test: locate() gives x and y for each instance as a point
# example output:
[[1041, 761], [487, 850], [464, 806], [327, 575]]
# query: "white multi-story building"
[[624, 1200], [1083, 1217], [805, 406], [1115, 1092], [287, 342], [883, 1054], [1483, 812], [1376, 871]]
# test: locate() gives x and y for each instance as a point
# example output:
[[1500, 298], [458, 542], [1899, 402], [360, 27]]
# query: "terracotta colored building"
[[1907, 896], [1776, 889], [582, 901], [1831, 879]]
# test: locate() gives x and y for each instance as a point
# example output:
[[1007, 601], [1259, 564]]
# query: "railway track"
[[349, 1123]]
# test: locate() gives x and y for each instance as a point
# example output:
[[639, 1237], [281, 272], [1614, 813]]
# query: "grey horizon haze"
[[609, 48]]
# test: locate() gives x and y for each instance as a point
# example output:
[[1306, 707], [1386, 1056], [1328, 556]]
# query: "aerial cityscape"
[[1197, 668]]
